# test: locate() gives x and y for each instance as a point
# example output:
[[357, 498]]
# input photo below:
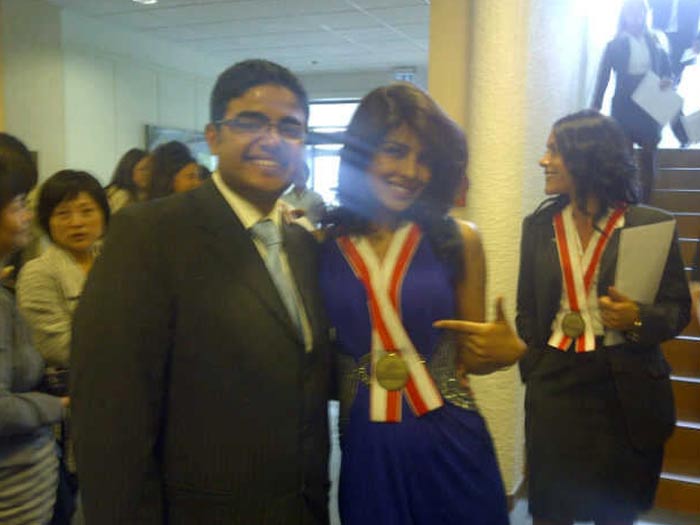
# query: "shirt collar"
[[248, 214]]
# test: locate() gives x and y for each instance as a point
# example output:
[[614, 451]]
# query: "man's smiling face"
[[256, 144]]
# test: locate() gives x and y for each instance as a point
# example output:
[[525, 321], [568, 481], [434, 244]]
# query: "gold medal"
[[573, 324], [391, 371]]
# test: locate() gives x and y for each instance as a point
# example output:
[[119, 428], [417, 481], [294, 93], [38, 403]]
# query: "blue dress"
[[436, 469]]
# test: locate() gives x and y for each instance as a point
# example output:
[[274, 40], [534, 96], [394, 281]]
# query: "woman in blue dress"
[[415, 449]]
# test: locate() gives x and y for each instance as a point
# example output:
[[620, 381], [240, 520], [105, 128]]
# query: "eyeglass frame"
[[265, 125]]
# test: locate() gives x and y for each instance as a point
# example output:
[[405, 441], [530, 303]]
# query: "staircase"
[[678, 191]]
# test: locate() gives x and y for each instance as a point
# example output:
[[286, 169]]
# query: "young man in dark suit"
[[200, 357]]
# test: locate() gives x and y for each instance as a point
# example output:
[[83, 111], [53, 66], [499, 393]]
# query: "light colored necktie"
[[268, 233]]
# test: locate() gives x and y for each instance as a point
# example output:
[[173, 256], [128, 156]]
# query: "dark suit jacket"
[[688, 15], [640, 371], [636, 122], [194, 401]]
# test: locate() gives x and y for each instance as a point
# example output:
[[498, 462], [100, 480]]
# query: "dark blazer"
[[640, 371], [194, 401], [636, 122], [688, 15]]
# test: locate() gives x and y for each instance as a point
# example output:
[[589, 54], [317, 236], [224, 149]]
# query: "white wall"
[[354, 84], [117, 82], [33, 78]]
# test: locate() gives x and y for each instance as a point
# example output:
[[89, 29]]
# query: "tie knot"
[[267, 232]]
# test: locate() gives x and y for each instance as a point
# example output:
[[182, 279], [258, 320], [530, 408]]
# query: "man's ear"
[[211, 134]]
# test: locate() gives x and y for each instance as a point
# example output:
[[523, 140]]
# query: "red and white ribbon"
[[578, 273], [383, 283]]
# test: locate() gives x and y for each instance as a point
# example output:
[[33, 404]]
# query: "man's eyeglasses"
[[287, 129]]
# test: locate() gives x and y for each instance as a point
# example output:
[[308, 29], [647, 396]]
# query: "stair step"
[[682, 452], [687, 399], [678, 179], [679, 493], [693, 328], [678, 158], [676, 200], [688, 224], [689, 249], [683, 354], [688, 424]]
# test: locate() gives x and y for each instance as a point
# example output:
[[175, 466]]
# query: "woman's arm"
[[650, 324], [21, 412], [471, 290], [484, 346], [41, 302]]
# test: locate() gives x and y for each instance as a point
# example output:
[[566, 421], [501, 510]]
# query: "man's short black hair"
[[240, 77]]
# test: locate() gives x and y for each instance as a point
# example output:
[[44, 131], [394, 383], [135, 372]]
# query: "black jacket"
[[637, 124], [194, 401], [640, 371]]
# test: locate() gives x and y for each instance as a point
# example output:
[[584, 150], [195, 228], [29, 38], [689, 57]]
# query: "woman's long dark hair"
[[599, 160], [168, 159], [380, 112], [123, 176]]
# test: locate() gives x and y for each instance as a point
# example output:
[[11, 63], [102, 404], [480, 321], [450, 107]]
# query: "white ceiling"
[[305, 35]]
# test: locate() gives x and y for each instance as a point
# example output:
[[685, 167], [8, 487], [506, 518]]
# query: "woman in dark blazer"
[[631, 54], [598, 410]]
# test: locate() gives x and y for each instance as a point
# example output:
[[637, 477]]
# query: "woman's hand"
[[618, 311], [485, 347]]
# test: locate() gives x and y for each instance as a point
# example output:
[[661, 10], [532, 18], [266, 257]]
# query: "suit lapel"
[[224, 236]]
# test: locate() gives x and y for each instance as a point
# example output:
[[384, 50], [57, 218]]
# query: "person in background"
[[396, 268], [631, 54], [304, 201], [131, 180], [16, 155], [598, 405], [678, 20], [200, 361], [173, 170], [28, 455], [73, 211]]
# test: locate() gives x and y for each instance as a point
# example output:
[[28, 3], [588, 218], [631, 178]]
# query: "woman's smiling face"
[[399, 173]]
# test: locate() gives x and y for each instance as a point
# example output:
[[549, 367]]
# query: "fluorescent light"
[[146, 2]]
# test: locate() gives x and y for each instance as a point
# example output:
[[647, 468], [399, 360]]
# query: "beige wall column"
[[505, 71], [448, 57], [477, 62], [32, 80]]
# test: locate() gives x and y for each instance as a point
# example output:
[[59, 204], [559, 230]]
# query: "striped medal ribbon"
[[576, 326], [396, 364]]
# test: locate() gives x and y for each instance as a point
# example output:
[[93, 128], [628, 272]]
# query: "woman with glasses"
[[28, 459], [173, 170], [414, 447], [598, 405]]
